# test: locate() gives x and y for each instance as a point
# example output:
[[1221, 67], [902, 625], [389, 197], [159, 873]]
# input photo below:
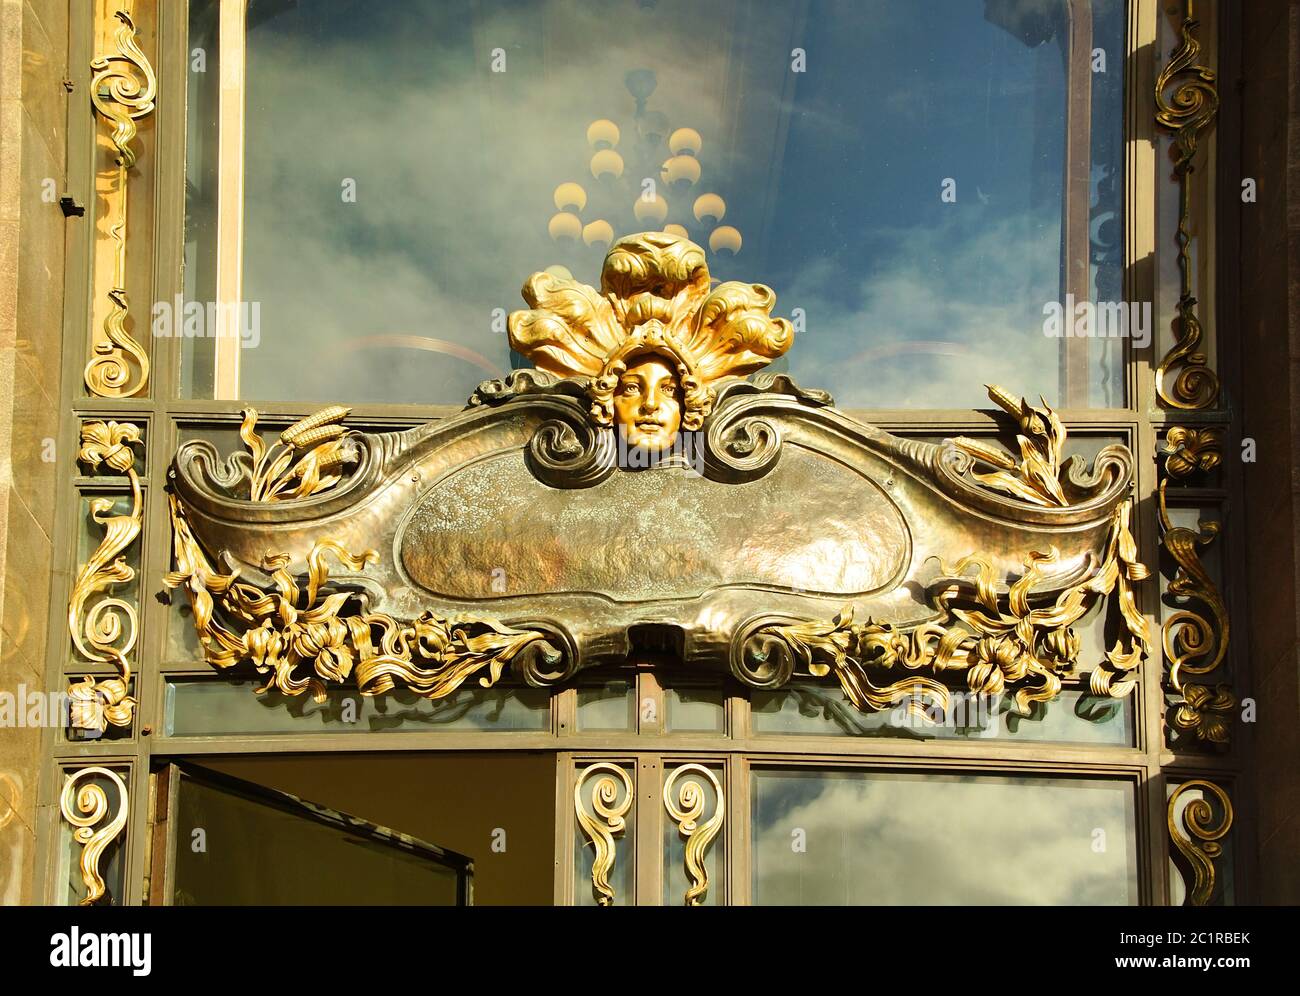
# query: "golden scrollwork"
[[84, 804], [603, 819], [104, 630], [122, 91], [686, 807], [989, 642], [306, 637], [1186, 111], [1195, 643], [1196, 828]]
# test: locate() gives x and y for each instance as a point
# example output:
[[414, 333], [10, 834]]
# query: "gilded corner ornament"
[[103, 629], [602, 815], [304, 633], [1196, 828], [123, 89], [1187, 101], [686, 807], [987, 639], [85, 806]]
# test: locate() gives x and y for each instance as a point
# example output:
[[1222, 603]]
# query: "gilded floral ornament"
[[303, 636], [1190, 450], [84, 805], [989, 642], [1206, 713], [103, 629], [653, 322]]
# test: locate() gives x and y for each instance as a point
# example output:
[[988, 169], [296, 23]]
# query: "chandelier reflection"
[[633, 187]]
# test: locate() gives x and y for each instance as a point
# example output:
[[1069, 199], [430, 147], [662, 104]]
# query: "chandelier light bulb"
[[655, 210], [683, 170], [606, 163], [685, 141], [725, 239], [677, 230], [710, 206], [602, 134], [565, 227], [599, 233], [570, 196]]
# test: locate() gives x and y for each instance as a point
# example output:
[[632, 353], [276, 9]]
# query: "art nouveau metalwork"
[[1187, 100], [103, 629], [1195, 642], [602, 814], [1196, 827], [524, 533], [85, 806], [990, 643], [686, 807], [122, 91]]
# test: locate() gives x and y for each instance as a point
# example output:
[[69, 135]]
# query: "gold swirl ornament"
[[84, 805], [1186, 112], [1197, 834], [1195, 642], [603, 820], [106, 631], [122, 91], [686, 808]]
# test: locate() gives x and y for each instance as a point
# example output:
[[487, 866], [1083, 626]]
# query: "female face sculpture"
[[647, 403]]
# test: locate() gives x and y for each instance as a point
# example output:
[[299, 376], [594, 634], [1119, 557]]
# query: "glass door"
[[223, 841]]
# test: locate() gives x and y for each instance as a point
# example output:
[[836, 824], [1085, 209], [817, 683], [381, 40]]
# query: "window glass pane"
[[611, 706], [822, 710], [873, 838], [694, 710], [917, 182], [215, 706]]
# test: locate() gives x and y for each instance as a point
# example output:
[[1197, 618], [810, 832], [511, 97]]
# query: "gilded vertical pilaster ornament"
[[104, 631], [603, 816], [686, 808], [1195, 642], [122, 91], [1196, 833], [85, 806], [1187, 101]]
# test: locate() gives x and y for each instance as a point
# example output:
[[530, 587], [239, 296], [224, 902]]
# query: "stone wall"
[[33, 123], [1269, 406]]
